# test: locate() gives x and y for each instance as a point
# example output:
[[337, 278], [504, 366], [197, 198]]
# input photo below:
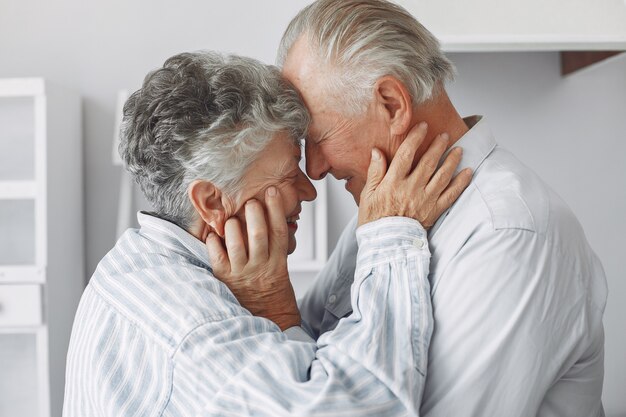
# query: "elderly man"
[[518, 295], [213, 142]]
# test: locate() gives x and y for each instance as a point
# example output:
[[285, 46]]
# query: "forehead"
[[276, 162], [280, 154], [304, 71]]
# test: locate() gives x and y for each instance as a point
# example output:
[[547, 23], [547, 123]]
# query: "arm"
[[374, 362], [344, 373]]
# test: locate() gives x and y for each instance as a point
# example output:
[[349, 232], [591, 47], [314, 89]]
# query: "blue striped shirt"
[[156, 334]]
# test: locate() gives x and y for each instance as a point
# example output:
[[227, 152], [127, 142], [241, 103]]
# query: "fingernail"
[[445, 136], [271, 191], [375, 154], [423, 125]]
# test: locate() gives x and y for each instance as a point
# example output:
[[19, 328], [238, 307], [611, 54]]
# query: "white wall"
[[569, 130]]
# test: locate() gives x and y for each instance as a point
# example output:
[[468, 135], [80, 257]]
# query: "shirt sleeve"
[[297, 333], [373, 363]]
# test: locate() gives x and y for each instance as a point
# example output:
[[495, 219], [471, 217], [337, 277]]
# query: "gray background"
[[570, 130]]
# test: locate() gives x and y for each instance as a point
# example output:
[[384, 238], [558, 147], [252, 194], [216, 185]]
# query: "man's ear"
[[395, 100], [207, 200]]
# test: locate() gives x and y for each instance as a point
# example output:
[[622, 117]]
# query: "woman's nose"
[[307, 190]]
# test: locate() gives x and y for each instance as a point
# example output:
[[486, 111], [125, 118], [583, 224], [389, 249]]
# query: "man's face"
[[337, 144]]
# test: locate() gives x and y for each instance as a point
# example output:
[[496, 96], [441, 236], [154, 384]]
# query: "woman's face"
[[278, 166]]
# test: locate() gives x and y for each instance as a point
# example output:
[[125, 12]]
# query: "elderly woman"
[[213, 141]]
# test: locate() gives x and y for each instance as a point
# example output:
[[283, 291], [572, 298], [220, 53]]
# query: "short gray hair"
[[359, 41], [206, 116]]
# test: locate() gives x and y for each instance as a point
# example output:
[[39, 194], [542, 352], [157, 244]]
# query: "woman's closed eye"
[[290, 178]]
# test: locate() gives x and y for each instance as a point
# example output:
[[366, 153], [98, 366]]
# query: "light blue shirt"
[[518, 296], [156, 334]]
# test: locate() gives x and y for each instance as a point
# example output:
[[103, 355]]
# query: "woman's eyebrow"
[[285, 168]]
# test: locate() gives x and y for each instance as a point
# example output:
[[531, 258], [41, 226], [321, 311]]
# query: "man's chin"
[[356, 195], [355, 190]]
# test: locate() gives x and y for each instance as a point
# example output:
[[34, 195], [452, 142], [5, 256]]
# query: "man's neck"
[[442, 117]]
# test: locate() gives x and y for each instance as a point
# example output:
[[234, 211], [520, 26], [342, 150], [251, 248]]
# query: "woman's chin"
[[292, 245]]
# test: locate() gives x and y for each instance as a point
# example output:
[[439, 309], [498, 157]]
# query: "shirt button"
[[419, 243], [332, 298]]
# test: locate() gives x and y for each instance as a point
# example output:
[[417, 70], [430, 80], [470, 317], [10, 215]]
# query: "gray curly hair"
[[360, 41], [204, 115]]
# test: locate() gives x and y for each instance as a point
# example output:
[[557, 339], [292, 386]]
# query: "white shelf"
[[19, 233], [21, 330], [18, 147], [22, 87], [41, 242], [531, 25], [21, 305], [18, 274], [24, 361], [538, 43], [18, 190]]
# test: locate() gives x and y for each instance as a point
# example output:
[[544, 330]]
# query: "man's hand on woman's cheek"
[[422, 193], [257, 274]]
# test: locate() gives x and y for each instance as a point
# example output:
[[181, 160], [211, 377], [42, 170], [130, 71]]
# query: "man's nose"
[[306, 189], [316, 165]]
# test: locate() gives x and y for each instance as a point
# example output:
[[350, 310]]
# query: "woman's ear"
[[396, 103], [207, 200]]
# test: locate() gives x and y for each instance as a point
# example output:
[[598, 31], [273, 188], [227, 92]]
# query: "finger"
[[402, 162], [375, 172], [442, 177], [235, 245], [454, 190], [257, 233], [429, 162], [218, 258], [279, 238]]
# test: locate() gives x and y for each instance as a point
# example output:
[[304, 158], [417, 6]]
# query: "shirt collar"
[[173, 237], [477, 144]]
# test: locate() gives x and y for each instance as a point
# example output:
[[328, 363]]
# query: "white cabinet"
[[20, 305], [41, 242], [23, 366], [507, 25]]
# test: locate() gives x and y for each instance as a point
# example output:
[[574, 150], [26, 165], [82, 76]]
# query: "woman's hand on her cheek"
[[257, 275]]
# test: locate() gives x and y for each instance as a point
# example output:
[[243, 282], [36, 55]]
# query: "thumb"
[[376, 171]]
